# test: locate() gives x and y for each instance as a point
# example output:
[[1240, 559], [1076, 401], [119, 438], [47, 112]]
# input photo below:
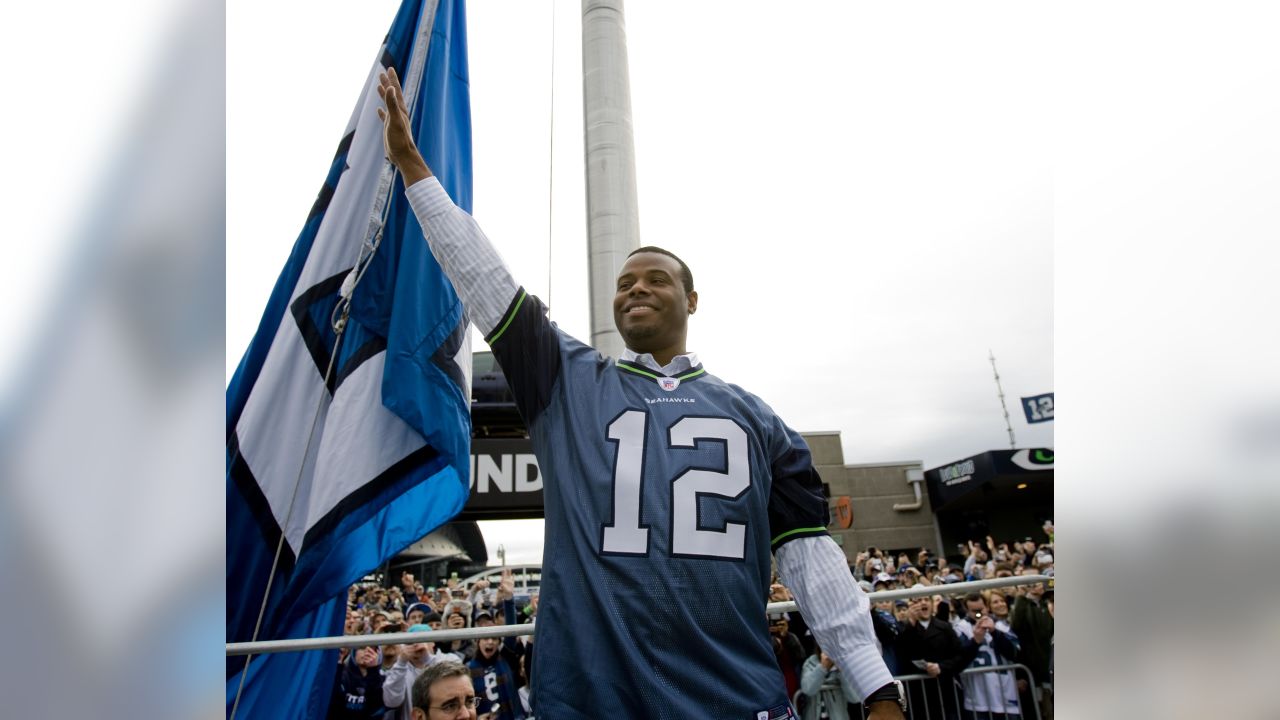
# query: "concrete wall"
[[873, 490]]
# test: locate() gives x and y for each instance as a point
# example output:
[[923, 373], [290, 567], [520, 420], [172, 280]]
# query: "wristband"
[[892, 692]]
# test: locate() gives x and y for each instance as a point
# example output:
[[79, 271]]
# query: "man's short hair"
[[974, 597], [433, 673], [686, 275]]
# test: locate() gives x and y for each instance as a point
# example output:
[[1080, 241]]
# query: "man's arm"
[[838, 613], [886, 628], [814, 568], [479, 275], [960, 653], [1006, 644], [396, 684], [514, 324], [506, 596]]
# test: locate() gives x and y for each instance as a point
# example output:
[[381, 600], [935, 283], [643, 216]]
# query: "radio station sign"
[[505, 479], [961, 472]]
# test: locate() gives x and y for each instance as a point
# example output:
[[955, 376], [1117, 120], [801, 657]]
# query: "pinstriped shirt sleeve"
[[837, 610], [478, 273]]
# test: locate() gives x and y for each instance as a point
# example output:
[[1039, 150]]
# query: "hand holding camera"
[[982, 625]]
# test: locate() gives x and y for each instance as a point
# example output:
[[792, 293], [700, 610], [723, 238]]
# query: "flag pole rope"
[[342, 310], [284, 528], [551, 157]]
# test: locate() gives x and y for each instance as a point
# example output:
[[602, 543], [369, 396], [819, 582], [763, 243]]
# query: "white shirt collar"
[[678, 364]]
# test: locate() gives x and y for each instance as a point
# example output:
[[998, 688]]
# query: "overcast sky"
[[863, 194], [914, 141]]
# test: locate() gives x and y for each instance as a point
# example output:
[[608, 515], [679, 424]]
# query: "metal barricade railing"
[[982, 693], [500, 631], [964, 700]]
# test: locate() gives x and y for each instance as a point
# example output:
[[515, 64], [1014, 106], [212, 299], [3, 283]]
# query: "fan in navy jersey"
[[357, 691], [656, 473], [495, 678]]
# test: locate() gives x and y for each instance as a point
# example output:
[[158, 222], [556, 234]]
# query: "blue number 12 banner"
[[1038, 408]]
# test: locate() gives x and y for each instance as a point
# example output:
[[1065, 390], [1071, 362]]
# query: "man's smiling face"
[[651, 307]]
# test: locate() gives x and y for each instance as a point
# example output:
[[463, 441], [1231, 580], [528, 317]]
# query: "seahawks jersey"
[[664, 497]]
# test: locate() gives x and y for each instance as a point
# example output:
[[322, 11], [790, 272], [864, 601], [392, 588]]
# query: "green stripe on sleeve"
[[797, 531], [512, 316]]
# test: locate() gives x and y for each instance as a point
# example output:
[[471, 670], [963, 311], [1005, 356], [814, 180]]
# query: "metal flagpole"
[[613, 216]]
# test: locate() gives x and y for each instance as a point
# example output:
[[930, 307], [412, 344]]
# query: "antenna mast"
[[999, 390]]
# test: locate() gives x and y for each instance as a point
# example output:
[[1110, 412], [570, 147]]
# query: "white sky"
[[864, 194]]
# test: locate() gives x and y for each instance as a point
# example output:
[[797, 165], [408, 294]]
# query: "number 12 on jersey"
[[626, 536]]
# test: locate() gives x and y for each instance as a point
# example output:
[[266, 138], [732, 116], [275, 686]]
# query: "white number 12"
[[625, 535], [1040, 408]]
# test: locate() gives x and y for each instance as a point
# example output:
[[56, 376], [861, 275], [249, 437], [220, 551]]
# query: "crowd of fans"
[[378, 681], [929, 640]]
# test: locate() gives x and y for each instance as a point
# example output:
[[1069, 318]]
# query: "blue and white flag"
[[1038, 408], [351, 470]]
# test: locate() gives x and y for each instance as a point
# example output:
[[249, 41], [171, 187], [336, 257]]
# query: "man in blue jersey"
[[494, 677], [656, 473]]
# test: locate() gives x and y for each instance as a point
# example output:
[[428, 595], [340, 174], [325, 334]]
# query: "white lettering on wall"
[[488, 471], [505, 473], [527, 481]]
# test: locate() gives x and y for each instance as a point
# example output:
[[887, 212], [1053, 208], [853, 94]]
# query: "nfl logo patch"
[[668, 383], [781, 712]]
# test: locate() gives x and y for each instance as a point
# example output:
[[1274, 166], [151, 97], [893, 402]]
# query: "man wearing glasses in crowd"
[[444, 692]]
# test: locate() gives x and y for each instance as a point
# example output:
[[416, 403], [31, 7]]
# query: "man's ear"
[[693, 301]]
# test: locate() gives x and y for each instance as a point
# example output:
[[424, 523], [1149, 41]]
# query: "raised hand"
[[983, 626], [367, 657], [397, 137], [507, 586]]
